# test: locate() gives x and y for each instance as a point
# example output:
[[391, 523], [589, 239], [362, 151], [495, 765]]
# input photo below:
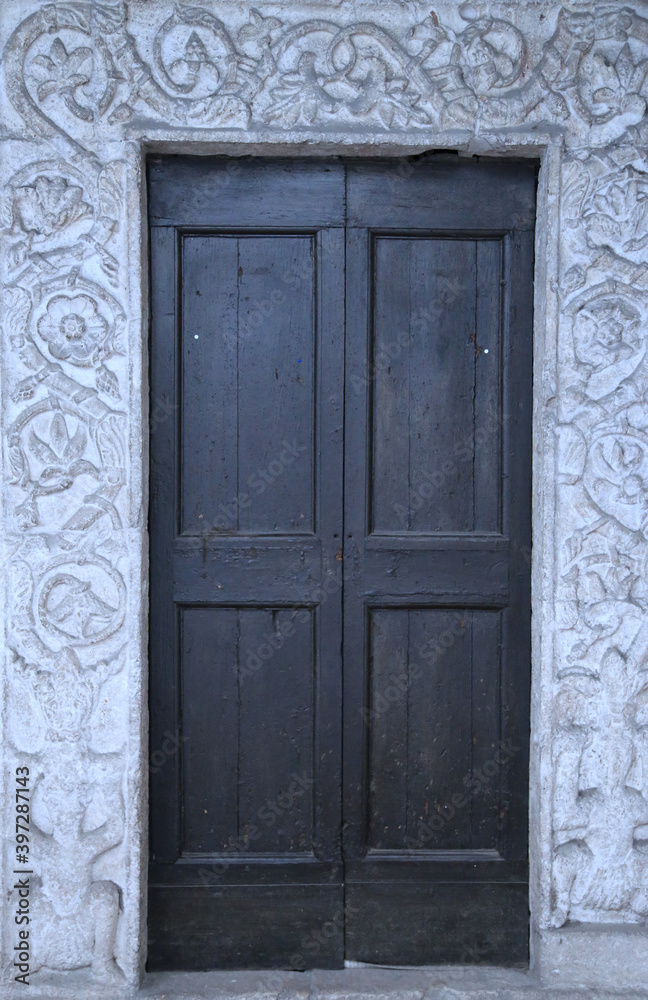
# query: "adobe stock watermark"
[[398, 682], [448, 291], [475, 782], [315, 941], [169, 748], [266, 816], [262, 479], [462, 452], [161, 410], [273, 641]]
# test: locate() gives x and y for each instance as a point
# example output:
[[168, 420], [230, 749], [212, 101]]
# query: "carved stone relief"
[[76, 64], [67, 599], [600, 810], [84, 83]]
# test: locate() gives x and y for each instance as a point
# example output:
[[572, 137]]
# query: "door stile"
[[328, 581], [357, 377], [164, 784]]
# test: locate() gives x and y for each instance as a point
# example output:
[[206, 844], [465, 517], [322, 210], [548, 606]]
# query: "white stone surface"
[[87, 88]]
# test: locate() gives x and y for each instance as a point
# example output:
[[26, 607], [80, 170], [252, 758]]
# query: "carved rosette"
[[82, 81], [65, 437], [600, 803]]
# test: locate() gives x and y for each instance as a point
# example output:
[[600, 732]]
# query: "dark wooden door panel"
[[248, 191], [436, 358], [458, 923], [245, 926], [433, 722], [342, 354], [264, 719], [247, 466], [442, 193], [437, 587], [246, 509]]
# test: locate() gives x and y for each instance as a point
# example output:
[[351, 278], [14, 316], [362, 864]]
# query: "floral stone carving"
[[86, 85]]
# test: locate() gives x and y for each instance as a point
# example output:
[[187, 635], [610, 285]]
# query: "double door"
[[340, 580]]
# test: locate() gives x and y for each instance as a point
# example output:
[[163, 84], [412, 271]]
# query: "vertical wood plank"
[[388, 375], [440, 732], [517, 449], [356, 484], [486, 698], [276, 372], [276, 734], [441, 397], [488, 388], [209, 651], [164, 785], [208, 351], [388, 727]]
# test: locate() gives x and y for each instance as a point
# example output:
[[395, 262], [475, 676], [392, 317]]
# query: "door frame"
[[548, 151]]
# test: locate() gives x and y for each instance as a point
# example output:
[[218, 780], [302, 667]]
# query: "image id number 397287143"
[[21, 885]]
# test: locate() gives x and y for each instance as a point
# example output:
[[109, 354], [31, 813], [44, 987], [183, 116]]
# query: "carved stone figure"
[[77, 915], [77, 816]]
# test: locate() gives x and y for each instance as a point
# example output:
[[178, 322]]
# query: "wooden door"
[[329, 786], [437, 546], [246, 514]]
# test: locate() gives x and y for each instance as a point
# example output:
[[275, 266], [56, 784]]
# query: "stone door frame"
[[89, 89]]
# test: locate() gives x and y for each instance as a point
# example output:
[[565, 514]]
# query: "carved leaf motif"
[[109, 437], [62, 70], [110, 189], [17, 462], [41, 450], [637, 244], [17, 306], [27, 513], [107, 381], [5, 209], [259, 29], [59, 433], [575, 187], [47, 205], [630, 76], [76, 445]]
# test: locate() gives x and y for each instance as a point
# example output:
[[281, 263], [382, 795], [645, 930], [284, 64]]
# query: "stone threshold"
[[357, 983]]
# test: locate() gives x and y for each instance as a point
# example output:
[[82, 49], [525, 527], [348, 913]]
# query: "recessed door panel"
[[436, 391], [248, 399], [242, 680], [433, 719]]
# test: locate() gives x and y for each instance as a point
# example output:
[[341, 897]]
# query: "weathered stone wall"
[[87, 88]]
